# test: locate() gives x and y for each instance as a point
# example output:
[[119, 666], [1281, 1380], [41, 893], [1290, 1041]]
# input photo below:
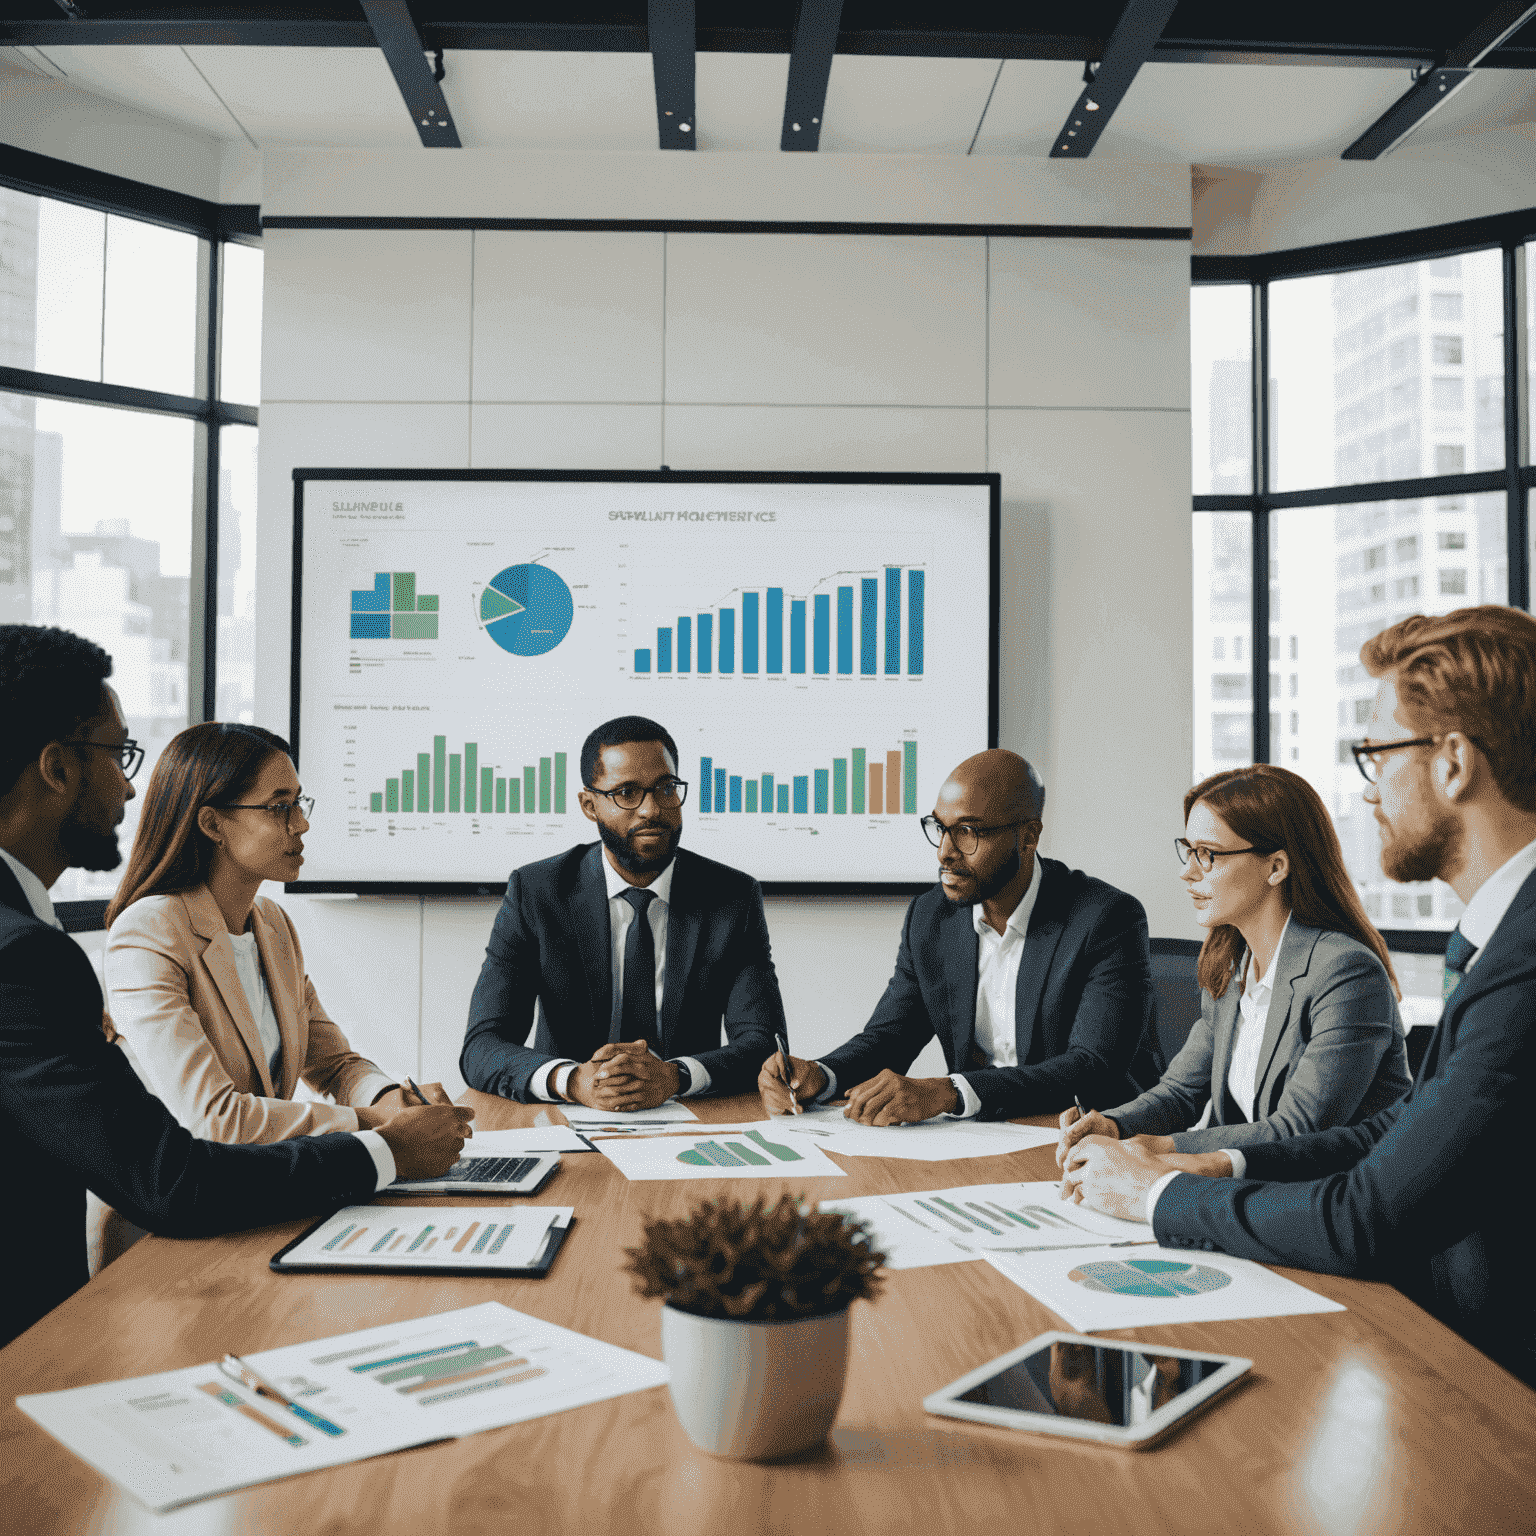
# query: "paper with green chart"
[[723, 1153], [949, 1226]]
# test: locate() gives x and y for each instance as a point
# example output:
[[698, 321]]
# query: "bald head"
[[997, 785]]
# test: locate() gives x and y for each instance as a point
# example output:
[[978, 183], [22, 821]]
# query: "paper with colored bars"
[[927, 1141], [949, 1226], [749, 1155], [1143, 1287], [608, 1122], [189, 1434], [430, 1236]]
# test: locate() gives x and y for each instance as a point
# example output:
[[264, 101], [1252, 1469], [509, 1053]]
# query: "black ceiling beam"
[[395, 33], [1436, 86], [810, 67], [1130, 45], [671, 33]]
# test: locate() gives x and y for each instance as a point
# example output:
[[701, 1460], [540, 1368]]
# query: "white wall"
[[1060, 363]]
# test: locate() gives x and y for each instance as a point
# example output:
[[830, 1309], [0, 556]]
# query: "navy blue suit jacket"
[[1083, 998], [1431, 1193], [74, 1116], [551, 942]]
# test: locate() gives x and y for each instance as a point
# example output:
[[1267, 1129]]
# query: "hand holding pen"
[[1077, 1123]]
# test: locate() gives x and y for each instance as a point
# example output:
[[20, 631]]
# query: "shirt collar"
[[660, 887], [1266, 982], [1018, 919], [33, 889], [1492, 898]]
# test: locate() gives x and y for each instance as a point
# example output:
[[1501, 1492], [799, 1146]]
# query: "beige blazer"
[[175, 997]]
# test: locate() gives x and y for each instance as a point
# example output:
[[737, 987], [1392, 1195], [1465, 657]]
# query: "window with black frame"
[[121, 460], [1395, 479]]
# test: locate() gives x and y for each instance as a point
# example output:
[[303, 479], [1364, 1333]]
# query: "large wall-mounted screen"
[[822, 648]]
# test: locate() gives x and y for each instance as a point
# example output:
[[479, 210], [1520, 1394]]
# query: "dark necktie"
[[1458, 953], [637, 1015]]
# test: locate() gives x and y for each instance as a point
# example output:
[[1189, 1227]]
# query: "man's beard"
[[638, 864], [987, 889], [87, 848], [1432, 855]]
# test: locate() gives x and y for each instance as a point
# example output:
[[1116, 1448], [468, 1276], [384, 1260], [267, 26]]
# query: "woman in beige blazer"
[[206, 981]]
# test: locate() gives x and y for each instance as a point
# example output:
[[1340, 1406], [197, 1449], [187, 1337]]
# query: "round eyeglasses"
[[129, 754], [1206, 857], [667, 793], [964, 836]]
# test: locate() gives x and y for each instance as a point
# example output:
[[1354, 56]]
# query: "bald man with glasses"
[[1035, 978]]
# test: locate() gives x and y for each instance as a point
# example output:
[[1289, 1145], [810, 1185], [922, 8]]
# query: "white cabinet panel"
[[454, 936], [376, 314], [565, 437], [567, 316], [825, 319]]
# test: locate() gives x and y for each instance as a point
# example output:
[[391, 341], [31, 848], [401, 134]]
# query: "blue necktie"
[[1458, 952], [637, 1012]]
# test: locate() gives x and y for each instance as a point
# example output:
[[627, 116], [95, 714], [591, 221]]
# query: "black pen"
[[783, 1046], [237, 1370], [421, 1098]]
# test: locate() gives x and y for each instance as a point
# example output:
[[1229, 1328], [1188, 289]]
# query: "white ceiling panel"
[[1032, 99], [551, 100], [740, 99], [1492, 98], [158, 80], [1243, 114], [905, 106], [343, 97]]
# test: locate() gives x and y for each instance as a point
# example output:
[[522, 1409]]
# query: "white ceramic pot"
[[755, 1391]]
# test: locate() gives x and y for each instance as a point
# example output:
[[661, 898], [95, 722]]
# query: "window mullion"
[[1259, 551], [1517, 541]]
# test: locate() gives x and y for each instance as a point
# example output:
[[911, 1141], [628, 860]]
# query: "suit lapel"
[[685, 920], [277, 963], [1040, 941], [1290, 966], [595, 941], [959, 945], [1509, 950], [12, 895], [1224, 1037], [207, 923]]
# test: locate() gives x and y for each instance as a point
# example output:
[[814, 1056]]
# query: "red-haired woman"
[[206, 981], [1299, 1028]]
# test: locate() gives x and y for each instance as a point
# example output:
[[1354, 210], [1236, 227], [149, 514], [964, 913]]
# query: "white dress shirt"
[[42, 908], [620, 915], [254, 985], [1252, 1016], [1490, 901], [997, 983]]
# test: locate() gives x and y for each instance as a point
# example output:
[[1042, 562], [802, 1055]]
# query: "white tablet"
[[1090, 1389]]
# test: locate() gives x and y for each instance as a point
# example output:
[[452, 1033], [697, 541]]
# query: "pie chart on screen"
[[527, 609]]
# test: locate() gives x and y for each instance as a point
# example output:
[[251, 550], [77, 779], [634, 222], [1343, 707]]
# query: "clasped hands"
[[1100, 1170], [623, 1075], [888, 1098]]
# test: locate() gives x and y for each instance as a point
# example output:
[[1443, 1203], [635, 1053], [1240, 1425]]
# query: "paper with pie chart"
[[1092, 1290], [750, 1154]]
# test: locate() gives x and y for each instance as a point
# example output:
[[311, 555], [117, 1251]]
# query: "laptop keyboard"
[[489, 1170]]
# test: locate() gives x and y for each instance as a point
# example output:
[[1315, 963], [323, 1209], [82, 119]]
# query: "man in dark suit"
[[1036, 978], [73, 1113], [633, 950], [1425, 1193]]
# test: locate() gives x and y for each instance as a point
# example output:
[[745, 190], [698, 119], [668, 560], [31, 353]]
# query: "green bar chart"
[[468, 782]]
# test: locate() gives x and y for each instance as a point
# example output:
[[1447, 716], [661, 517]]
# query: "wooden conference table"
[[1378, 1419]]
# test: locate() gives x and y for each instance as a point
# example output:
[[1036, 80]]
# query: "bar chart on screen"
[[859, 783], [467, 783]]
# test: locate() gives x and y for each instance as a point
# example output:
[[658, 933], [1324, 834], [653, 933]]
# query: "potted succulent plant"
[[755, 1322]]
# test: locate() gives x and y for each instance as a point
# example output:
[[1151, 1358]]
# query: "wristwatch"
[[684, 1078]]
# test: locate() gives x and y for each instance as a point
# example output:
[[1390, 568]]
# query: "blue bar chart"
[[863, 783], [855, 631]]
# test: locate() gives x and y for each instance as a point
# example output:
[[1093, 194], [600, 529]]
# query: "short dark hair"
[[50, 684], [613, 733]]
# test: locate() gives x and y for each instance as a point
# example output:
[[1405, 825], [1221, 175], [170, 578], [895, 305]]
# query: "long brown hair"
[[209, 764], [1274, 809]]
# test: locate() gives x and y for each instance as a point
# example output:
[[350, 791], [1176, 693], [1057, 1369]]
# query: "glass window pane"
[[96, 536], [1221, 387], [240, 366], [1223, 616], [1388, 373], [150, 333], [1389, 560], [237, 575], [70, 247]]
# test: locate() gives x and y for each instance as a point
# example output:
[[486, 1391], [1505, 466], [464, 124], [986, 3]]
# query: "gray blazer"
[[1332, 1052]]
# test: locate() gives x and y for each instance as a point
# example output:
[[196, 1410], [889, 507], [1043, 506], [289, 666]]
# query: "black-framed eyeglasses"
[[1365, 756], [304, 804], [129, 754], [963, 835], [1206, 857], [667, 793]]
